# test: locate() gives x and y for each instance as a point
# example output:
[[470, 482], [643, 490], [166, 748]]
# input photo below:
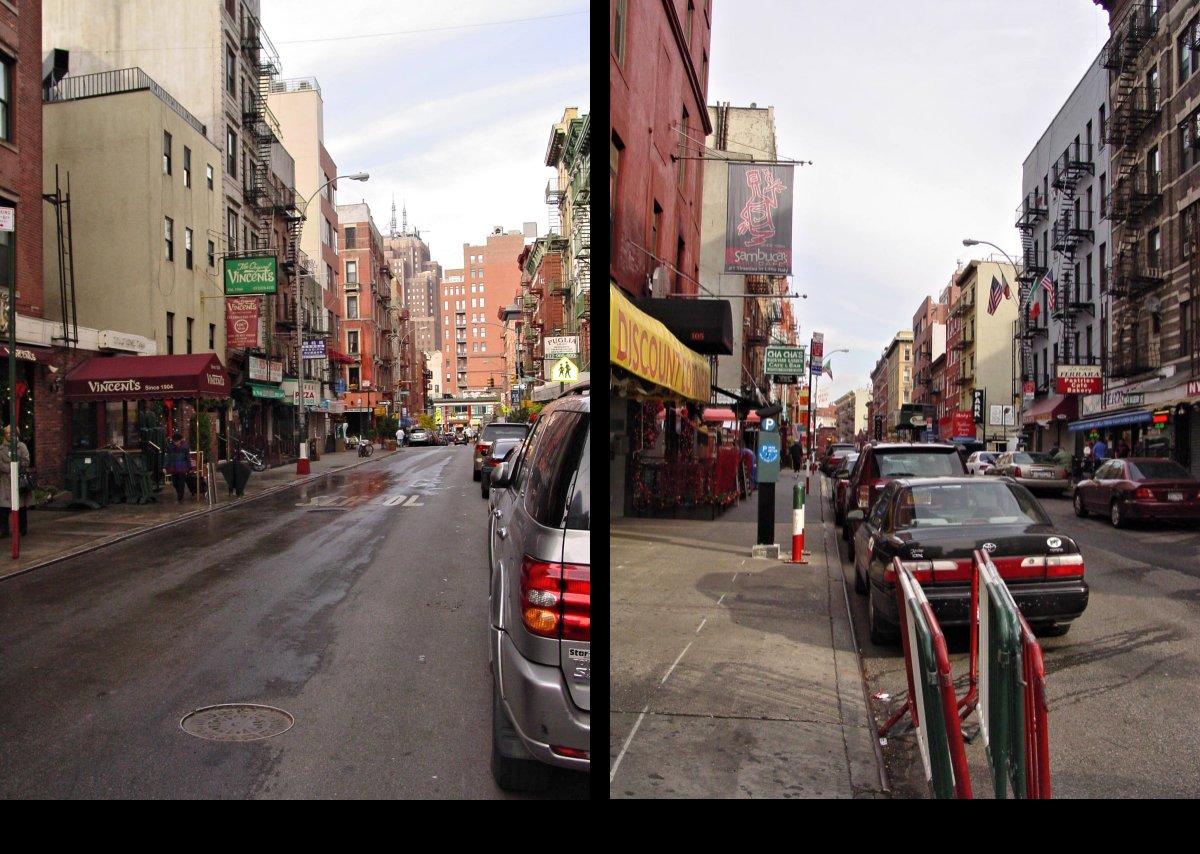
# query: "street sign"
[[784, 360], [314, 348], [565, 371], [818, 351], [250, 275], [1079, 379], [556, 346]]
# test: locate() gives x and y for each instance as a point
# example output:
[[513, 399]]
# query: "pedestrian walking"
[[24, 497], [1099, 451], [797, 454], [178, 461], [399, 437]]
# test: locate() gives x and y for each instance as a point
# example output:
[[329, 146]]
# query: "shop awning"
[[339, 356], [752, 418], [1050, 408], [704, 325], [643, 346], [270, 392], [1112, 419], [148, 378], [715, 414], [25, 353]]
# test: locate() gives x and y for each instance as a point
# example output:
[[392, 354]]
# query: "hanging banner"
[[250, 275], [818, 353], [758, 227], [241, 322]]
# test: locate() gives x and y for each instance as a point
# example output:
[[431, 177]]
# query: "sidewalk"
[[57, 533], [735, 676]]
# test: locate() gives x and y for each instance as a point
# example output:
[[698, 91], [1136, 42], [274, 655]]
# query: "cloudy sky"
[[917, 116], [448, 105]]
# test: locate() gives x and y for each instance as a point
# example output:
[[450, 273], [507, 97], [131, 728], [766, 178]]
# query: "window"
[[1090, 280], [620, 16], [6, 98], [1103, 268], [166, 153], [170, 333], [190, 323], [1187, 230], [473, 305], [169, 235], [1088, 338], [351, 272], [1185, 328], [481, 301], [687, 27], [352, 341], [654, 221], [212, 336], [209, 173], [352, 308], [683, 135], [230, 153], [1153, 169], [187, 167], [187, 247], [230, 71], [1152, 88], [231, 229], [1154, 247], [212, 254]]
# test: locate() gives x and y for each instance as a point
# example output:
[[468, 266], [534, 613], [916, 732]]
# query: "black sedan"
[[935, 525]]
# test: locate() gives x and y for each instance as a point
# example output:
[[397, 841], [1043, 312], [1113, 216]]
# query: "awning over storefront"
[[1051, 408], [338, 356], [148, 378], [25, 353], [715, 414], [1112, 419], [705, 325], [270, 392], [643, 346]]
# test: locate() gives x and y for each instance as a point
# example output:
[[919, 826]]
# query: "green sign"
[[784, 360], [250, 276], [268, 391]]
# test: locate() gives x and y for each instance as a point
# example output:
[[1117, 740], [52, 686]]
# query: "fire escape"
[[1136, 188], [1032, 211], [1071, 227]]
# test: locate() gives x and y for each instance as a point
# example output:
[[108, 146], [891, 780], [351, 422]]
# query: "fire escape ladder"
[[66, 261], [261, 123]]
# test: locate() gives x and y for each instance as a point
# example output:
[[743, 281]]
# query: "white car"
[[980, 461]]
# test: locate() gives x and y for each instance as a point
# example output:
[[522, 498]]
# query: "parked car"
[[1139, 488], [460, 437], [934, 525], [539, 549], [833, 455], [1038, 472], [492, 432], [500, 451], [420, 436], [841, 479], [882, 461], [980, 461]]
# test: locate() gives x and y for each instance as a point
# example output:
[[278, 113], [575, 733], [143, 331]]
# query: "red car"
[[841, 481], [1139, 488]]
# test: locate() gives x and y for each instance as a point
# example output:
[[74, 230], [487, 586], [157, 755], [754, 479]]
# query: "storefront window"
[[83, 426]]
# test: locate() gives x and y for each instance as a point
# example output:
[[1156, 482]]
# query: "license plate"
[[1043, 474], [1174, 496]]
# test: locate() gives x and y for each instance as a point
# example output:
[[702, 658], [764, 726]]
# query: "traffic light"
[[491, 382]]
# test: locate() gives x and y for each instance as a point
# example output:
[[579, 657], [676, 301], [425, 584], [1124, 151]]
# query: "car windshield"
[[1159, 470], [847, 463], [993, 502], [918, 464]]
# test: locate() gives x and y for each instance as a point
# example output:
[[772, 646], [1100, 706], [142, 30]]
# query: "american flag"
[[995, 297], [1047, 284]]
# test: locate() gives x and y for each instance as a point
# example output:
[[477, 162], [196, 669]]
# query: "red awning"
[[1053, 407], [338, 356], [148, 378], [25, 353], [714, 414], [752, 418]]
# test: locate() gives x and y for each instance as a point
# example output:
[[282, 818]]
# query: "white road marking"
[[625, 746], [702, 622], [672, 667]]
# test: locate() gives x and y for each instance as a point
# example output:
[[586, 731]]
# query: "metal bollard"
[[798, 524]]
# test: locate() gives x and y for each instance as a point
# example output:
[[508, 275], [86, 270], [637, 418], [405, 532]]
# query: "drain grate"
[[236, 722]]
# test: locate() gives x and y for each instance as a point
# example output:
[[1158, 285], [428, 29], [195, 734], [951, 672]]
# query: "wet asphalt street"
[[356, 604]]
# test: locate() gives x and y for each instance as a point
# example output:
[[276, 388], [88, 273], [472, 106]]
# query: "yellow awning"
[[643, 346]]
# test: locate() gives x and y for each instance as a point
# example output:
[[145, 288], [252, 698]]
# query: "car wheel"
[[514, 775], [1117, 517], [860, 583], [850, 541], [1080, 510], [880, 632], [475, 475], [483, 489]]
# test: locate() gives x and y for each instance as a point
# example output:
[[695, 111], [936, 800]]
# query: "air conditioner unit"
[[351, 287], [659, 283]]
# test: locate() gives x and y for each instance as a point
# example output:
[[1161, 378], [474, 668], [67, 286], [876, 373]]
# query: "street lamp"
[[302, 466], [812, 393], [1021, 300]]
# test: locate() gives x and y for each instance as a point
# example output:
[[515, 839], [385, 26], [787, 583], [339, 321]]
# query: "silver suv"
[[491, 432], [539, 548]]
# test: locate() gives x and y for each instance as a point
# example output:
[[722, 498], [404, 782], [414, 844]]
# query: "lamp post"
[[812, 393], [1012, 389], [302, 466]]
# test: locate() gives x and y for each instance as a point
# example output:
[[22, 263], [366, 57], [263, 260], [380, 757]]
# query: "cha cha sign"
[[1079, 379], [250, 276]]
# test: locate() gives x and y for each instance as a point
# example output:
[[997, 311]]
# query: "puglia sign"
[[250, 276]]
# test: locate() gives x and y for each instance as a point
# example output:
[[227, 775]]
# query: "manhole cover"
[[236, 722]]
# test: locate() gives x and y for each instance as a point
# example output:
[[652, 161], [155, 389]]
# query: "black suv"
[[880, 462], [539, 547]]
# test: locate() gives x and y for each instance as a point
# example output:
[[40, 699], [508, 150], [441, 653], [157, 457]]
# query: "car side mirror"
[[500, 475], [855, 515]]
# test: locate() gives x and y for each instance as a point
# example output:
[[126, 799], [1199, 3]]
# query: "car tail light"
[[1064, 566], [1016, 471], [1143, 492], [570, 752], [923, 570], [556, 599]]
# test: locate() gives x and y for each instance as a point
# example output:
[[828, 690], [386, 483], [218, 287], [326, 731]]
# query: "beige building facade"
[[981, 350]]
